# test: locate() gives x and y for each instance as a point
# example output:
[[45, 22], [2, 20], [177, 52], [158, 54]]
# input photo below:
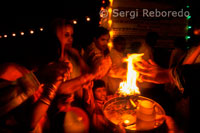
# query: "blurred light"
[[13, 34], [110, 10], [88, 18], [187, 37], [110, 22], [102, 8], [111, 34], [41, 29], [103, 2], [189, 27], [188, 17], [0, 36], [111, 2], [5, 36], [187, 6], [31, 31], [74, 22], [110, 45], [22, 33], [197, 31]]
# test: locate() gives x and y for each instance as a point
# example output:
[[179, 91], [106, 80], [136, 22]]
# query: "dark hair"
[[119, 40], [97, 84], [100, 31], [59, 23]]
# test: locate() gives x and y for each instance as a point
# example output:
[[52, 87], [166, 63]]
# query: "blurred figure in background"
[[118, 70], [148, 49], [148, 46], [97, 54], [179, 51]]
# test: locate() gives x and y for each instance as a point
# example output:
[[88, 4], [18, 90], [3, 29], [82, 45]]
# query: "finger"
[[145, 63], [139, 65], [149, 79], [144, 72], [152, 62]]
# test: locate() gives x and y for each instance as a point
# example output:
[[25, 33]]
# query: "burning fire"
[[129, 86]]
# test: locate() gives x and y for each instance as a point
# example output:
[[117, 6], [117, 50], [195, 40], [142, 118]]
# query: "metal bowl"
[[119, 110]]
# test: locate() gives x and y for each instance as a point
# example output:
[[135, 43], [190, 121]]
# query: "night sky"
[[34, 15]]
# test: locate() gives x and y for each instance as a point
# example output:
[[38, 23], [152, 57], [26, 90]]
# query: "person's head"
[[101, 38], [119, 43], [99, 90], [151, 38], [64, 31]]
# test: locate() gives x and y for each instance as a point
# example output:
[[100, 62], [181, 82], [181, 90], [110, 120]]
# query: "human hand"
[[171, 125], [73, 85], [151, 72], [103, 68], [53, 72], [89, 85]]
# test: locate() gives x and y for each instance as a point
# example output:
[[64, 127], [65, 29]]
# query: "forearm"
[[72, 85], [41, 106], [38, 112]]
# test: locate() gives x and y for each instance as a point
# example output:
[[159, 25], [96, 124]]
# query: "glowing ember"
[[129, 86]]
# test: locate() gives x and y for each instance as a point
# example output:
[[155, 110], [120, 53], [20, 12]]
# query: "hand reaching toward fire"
[[103, 67], [151, 72]]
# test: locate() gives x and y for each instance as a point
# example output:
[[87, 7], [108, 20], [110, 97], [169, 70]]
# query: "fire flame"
[[129, 86]]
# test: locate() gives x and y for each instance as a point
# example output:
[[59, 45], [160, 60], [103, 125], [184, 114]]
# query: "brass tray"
[[119, 109]]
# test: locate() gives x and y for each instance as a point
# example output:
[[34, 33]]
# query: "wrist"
[[48, 93]]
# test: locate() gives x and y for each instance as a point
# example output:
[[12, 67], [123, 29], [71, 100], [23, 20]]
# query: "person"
[[118, 70], [95, 99], [97, 53], [183, 76], [25, 101], [178, 53], [147, 47], [62, 32]]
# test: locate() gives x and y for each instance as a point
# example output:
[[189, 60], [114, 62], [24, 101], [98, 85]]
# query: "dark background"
[[23, 16]]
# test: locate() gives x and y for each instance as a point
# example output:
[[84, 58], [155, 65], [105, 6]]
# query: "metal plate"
[[119, 109]]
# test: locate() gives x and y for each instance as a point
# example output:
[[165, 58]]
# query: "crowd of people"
[[68, 92]]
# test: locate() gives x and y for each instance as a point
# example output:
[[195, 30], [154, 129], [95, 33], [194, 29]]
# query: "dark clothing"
[[188, 76]]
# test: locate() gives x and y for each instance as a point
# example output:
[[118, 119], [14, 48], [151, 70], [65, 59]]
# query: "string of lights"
[[106, 19], [33, 31], [188, 26]]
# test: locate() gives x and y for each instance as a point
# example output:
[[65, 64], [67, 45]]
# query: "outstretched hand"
[[151, 72]]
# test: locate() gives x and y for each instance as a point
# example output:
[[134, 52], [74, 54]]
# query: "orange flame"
[[129, 86]]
